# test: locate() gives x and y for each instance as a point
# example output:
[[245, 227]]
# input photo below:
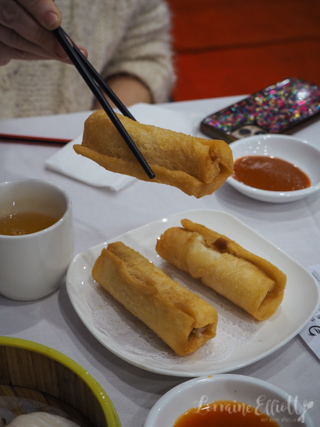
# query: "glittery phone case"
[[274, 109]]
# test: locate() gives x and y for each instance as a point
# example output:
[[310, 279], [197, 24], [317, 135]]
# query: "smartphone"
[[274, 109]]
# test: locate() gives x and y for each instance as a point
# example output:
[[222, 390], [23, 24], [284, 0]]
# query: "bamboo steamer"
[[34, 377]]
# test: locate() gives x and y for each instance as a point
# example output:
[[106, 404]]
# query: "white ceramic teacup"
[[33, 265]]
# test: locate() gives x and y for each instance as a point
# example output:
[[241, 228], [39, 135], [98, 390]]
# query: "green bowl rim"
[[102, 397]]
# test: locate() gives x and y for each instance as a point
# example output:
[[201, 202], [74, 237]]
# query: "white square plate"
[[119, 330]]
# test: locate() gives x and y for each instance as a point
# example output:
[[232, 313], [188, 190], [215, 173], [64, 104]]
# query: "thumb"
[[45, 12]]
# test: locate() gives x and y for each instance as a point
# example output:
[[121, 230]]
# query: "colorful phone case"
[[272, 110]]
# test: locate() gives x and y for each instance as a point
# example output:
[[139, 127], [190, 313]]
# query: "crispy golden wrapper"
[[179, 317], [244, 278], [197, 166]]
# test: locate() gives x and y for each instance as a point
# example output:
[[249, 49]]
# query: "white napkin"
[[66, 161]]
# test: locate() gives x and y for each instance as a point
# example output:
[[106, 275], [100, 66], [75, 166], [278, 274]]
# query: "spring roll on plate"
[[244, 278], [196, 166], [179, 317]]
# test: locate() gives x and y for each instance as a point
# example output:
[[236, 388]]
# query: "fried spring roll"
[[244, 278], [196, 166], [179, 317]]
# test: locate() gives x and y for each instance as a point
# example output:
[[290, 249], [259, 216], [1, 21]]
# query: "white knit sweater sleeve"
[[145, 50], [121, 36]]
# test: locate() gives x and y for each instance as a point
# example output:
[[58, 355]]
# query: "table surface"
[[100, 215]]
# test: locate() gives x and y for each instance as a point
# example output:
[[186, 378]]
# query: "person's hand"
[[25, 30], [128, 89]]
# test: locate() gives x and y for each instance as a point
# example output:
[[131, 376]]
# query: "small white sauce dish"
[[267, 398], [300, 153]]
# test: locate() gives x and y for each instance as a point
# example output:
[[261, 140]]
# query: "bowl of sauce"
[[225, 413], [275, 168], [226, 400]]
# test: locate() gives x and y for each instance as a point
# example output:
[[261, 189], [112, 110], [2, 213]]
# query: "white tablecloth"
[[101, 214]]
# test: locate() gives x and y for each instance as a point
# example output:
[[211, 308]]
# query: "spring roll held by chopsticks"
[[247, 280], [181, 318], [195, 165]]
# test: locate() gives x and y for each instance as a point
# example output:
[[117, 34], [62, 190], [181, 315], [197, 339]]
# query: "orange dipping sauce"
[[270, 173], [225, 414]]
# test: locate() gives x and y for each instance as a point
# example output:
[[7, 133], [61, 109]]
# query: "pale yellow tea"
[[20, 223]]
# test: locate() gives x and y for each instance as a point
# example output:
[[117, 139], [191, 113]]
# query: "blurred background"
[[236, 47]]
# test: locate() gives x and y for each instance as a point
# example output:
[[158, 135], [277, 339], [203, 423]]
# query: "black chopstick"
[[97, 84]]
